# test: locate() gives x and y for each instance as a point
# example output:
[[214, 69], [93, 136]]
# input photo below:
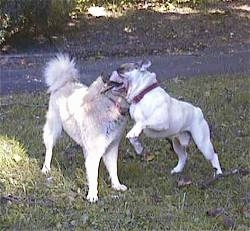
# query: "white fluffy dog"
[[159, 115], [93, 119]]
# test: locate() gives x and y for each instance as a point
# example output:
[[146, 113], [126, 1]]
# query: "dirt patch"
[[138, 31], [141, 31]]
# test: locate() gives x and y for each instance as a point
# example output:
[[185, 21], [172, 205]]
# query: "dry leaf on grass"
[[228, 222], [215, 212], [148, 156], [184, 181]]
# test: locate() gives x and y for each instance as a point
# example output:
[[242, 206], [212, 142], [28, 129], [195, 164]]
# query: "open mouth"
[[117, 87], [114, 86], [116, 83]]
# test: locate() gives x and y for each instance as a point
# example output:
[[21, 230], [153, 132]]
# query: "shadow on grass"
[[139, 31]]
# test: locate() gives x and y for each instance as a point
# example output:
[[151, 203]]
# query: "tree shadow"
[[148, 31]]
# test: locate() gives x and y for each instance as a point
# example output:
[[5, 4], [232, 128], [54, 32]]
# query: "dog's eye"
[[120, 70], [136, 66]]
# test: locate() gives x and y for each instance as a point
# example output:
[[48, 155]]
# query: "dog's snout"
[[110, 85]]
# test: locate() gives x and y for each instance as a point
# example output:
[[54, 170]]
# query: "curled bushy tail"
[[59, 71]]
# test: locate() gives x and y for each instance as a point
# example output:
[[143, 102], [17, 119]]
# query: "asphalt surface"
[[23, 72]]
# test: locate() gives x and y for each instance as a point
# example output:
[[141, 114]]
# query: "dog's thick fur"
[[91, 118], [159, 115]]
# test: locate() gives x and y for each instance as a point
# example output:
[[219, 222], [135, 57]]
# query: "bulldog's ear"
[[144, 64]]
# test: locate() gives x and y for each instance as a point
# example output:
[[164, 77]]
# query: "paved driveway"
[[23, 72]]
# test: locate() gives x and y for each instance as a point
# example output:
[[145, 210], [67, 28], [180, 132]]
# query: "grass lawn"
[[31, 201]]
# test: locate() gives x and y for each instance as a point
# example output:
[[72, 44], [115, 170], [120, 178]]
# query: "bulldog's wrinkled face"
[[127, 71]]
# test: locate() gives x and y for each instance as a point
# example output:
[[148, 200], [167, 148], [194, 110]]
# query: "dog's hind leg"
[[180, 150], [201, 136], [110, 161], [51, 131]]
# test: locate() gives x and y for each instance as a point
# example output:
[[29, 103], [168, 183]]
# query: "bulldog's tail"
[[59, 71]]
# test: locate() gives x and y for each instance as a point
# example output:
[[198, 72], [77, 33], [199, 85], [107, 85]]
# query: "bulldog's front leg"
[[133, 136], [137, 145]]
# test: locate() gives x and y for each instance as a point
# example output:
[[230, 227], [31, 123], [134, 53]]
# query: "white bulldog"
[[158, 115]]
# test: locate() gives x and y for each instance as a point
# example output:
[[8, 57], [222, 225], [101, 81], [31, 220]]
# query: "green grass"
[[30, 201]]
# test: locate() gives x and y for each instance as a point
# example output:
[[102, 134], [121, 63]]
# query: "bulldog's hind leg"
[[201, 137], [179, 146], [51, 131], [110, 161]]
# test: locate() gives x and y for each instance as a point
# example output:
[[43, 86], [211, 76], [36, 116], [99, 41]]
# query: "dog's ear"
[[144, 64], [105, 77]]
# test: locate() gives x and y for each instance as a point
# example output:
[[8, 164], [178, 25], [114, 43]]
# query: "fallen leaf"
[[156, 198], [228, 222], [245, 211], [148, 156], [244, 172], [215, 212], [184, 181]]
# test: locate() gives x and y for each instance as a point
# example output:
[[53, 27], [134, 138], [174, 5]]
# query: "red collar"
[[138, 98]]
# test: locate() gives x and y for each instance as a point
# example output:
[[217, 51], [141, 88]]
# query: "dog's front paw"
[[137, 145], [175, 170], [92, 198], [45, 169], [217, 172], [120, 187]]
